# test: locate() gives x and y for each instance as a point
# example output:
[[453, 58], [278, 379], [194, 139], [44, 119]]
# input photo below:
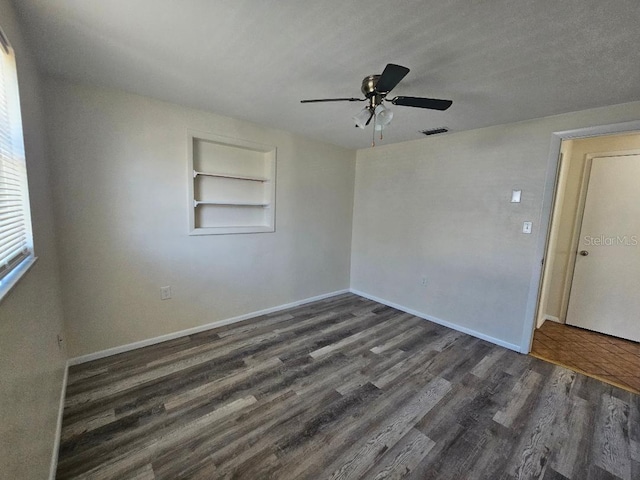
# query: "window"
[[16, 244]]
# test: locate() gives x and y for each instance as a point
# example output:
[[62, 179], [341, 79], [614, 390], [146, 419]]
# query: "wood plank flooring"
[[344, 388], [610, 359]]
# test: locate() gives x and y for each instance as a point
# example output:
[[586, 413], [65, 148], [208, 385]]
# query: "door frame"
[[548, 196]]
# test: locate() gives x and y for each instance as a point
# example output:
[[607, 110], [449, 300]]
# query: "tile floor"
[[610, 359]]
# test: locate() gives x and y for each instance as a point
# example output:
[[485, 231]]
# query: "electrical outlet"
[[423, 281], [165, 293], [60, 340]]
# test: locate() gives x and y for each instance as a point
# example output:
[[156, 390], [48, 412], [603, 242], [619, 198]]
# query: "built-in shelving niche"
[[232, 185]]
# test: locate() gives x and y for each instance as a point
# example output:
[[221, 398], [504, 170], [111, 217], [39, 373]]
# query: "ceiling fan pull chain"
[[373, 135]]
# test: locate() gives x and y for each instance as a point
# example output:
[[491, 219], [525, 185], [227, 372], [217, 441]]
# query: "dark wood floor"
[[344, 388]]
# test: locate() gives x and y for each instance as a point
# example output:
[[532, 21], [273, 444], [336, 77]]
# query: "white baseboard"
[[439, 321], [56, 443], [201, 328], [544, 317]]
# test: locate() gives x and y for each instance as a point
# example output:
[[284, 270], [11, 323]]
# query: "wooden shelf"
[[235, 177], [230, 204]]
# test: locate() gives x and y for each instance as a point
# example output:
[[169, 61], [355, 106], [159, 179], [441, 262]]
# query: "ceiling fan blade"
[[420, 102], [391, 77], [318, 100]]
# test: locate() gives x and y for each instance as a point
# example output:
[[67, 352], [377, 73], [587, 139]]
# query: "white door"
[[605, 293]]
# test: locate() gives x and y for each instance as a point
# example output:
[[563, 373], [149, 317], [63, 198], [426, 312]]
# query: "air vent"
[[435, 131]]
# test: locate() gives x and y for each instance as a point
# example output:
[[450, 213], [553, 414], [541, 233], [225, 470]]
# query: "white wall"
[[120, 196], [31, 365], [440, 207]]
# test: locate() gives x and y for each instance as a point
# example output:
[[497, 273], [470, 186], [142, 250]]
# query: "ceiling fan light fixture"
[[383, 117], [362, 118]]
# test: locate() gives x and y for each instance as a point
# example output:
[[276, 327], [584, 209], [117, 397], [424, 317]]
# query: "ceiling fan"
[[375, 88]]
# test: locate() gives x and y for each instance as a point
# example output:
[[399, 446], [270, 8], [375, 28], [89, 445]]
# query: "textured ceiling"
[[500, 61]]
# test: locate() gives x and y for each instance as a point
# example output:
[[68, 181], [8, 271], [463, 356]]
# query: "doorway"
[[594, 290]]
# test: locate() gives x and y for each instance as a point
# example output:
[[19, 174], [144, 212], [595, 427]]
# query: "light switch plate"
[[515, 196], [526, 227]]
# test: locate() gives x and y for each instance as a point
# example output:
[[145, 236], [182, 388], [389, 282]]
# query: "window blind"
[[15, 220]]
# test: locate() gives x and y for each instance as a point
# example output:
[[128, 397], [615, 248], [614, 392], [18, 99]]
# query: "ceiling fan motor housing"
[[369, 90], [369, 85]]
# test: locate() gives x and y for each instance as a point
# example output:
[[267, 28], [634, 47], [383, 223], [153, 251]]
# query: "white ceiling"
[[500, 61]]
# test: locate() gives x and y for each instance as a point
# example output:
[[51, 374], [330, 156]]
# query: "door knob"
[[584, 253]]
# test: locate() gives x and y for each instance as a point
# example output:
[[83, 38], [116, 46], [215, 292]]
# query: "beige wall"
[[559, 284], [31, 365], [120, 195], [439, 208]]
